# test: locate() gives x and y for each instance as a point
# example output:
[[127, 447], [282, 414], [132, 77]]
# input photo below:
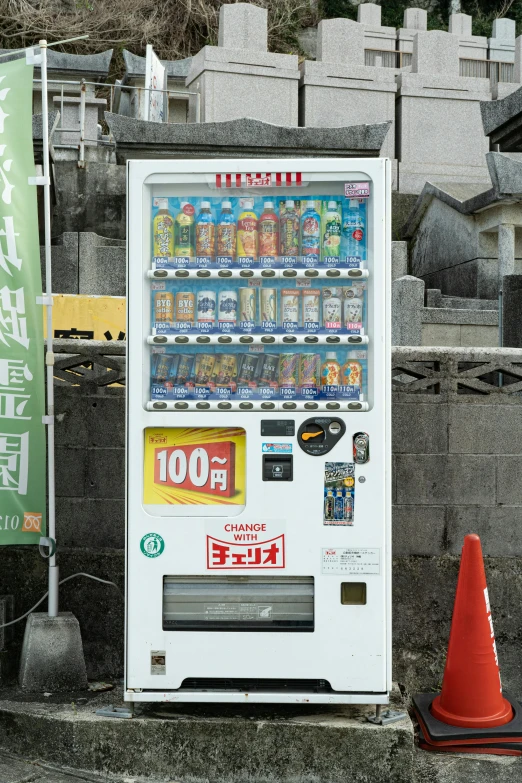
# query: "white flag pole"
[[49, 355]]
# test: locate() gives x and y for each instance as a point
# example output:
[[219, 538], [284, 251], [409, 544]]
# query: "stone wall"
[[457, 458]]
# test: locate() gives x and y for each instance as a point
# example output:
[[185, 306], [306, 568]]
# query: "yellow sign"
[[195, 466], [88, 317]]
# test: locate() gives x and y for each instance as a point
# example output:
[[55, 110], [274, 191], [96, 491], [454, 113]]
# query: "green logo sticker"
[[152, 545]]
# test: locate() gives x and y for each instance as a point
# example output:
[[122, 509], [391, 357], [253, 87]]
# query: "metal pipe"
[[81, 161], [52, 609]]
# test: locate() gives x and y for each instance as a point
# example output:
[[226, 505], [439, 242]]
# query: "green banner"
[[22, 391]]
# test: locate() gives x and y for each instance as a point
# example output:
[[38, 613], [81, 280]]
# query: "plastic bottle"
[[205, 232], [226, 233], [329, 506], [184, 231], [330, 370], [247, 226], [354, 229], [332, 232], [352, 371], [163, 230], [268, 234], [289, 232], [311, 235], [339, 505]]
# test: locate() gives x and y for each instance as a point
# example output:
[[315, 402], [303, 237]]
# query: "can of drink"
[[310, 369], [269, 369], [173, 372], [268, 306], [352, 307], [185, 306], [206, 365], [290, 307], [247, 367], [161, 363], [332, 308], [206, 307], [288, 370], [311, 308], [227, 308], [247, 305], [164, 306], [184, 368], [227, 370]]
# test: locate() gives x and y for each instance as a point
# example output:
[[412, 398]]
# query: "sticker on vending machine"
[[339, 490]]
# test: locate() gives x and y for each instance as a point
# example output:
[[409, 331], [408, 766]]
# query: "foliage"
[[175, 28]]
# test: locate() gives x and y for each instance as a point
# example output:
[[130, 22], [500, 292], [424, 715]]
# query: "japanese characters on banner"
[[195, 466], [22, 393]]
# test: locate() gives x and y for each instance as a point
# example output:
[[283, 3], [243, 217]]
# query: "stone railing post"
[[407, 304]]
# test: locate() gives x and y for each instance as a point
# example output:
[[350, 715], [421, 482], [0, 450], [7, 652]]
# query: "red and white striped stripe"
[[259, 180]]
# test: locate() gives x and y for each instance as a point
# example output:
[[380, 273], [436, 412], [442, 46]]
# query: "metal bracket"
[[386, 717], [115, 712], [44, 300], [47, 420], [45, 541], [38, 181]]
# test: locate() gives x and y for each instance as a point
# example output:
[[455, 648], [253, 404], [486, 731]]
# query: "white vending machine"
[[258, 431]]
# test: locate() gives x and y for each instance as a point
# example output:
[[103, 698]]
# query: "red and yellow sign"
[[194, 466]]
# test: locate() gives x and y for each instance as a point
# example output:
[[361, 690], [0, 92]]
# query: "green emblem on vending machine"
[[152, 545]]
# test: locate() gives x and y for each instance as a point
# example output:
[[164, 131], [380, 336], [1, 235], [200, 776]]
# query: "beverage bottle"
[[339, 505], [352, 371], [354, 229], [289, 231], [311, 235], [268, 234], [329, 509], [330, 370], [332, 308], [348, 506], [226, 232], [163, 230], [184, 231], [205, 233], [247, 226], [332, 232]]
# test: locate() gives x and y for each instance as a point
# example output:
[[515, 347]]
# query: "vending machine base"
[[230, 696]]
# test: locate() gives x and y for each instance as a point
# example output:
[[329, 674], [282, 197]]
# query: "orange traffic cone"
[[470, 710], [471, 688]]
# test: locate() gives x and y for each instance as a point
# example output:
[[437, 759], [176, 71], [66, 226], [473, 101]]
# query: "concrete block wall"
[[456, 468]]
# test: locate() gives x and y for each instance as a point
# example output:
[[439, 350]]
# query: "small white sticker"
[[255, 283], [357, 189], [256, 348], [158, 286], [158, 662], [303, 282], [340, 561]]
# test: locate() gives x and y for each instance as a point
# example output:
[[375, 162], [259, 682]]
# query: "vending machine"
[[258, 431]]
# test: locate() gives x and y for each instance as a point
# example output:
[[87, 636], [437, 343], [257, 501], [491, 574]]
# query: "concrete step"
[[222, 744]]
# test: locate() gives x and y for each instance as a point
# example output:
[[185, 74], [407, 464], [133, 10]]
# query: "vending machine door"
[[258, 431]]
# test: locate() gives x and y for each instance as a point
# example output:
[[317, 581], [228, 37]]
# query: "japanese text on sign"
[[357, 189], [208, 468], [261, 554]]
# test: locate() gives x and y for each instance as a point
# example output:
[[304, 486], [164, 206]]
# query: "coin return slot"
[[353, 593]]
